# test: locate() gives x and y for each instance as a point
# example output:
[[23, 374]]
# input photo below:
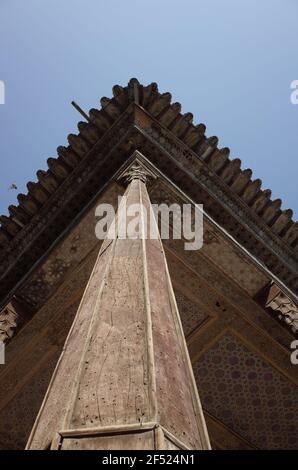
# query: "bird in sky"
[[13, 186]]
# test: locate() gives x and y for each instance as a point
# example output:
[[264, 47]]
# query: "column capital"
[[137, 170]]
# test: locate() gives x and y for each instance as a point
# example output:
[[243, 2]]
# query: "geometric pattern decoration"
[[17, 418], [248, 395], [20, 401], [190, 313]]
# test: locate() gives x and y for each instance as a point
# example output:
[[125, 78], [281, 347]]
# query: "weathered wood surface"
[[142, 441], [125, 361]]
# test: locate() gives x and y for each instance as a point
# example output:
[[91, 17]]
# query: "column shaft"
[[124, 379]]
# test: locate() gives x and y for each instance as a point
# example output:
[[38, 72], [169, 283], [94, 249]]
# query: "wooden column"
[[124, 379]]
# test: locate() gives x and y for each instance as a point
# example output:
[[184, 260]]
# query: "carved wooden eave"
[[12, 317], [140, 118], [280, 306]]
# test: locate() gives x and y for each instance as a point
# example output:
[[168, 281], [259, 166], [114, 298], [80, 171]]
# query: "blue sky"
[[229, 62]]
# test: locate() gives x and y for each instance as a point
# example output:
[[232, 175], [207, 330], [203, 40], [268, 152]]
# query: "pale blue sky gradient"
[[229, 62]]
